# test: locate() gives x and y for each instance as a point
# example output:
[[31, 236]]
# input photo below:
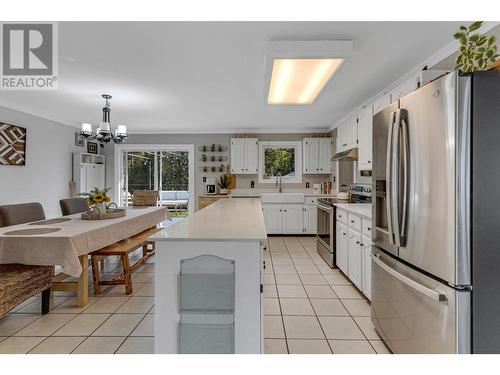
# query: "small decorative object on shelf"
[[92, 147], [203, 157], [205, 169], [212, 148], [204, 148], [220, 149], [212, 158], [223, 184], [212, 169], [221, 168]]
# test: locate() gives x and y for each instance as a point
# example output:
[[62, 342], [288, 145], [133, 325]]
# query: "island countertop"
[[227, 219]]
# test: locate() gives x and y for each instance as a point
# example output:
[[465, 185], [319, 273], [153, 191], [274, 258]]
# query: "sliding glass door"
[[170, 171]]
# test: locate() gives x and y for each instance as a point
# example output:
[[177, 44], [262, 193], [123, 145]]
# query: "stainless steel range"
[[326, 230]]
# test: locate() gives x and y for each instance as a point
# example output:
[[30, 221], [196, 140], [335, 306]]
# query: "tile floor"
[[308, 307]]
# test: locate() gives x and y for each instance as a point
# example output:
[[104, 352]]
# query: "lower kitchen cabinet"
[[310, 219], [283, 219], [342, 246], [353, 250], [273, 218], [292, 218], [367, 268], [355, 258]]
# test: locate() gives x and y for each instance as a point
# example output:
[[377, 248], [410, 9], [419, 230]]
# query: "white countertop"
[[256, 193], [362, 209], [227, 219]]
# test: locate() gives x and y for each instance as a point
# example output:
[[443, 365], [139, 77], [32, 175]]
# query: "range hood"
[[351, 154]]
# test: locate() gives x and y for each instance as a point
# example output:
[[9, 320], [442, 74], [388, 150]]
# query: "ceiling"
[[208, 77]]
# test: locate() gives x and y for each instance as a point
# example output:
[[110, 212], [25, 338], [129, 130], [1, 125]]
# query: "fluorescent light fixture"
[[299, 81]]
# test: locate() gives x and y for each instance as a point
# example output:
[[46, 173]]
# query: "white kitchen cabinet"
[[284, 219], [273, 218], [367, 267], [317, 153], [355, 258], [88, 172], [310, 155], [292, 218], [365, 126], [244, 155], [347, 134], [342, 248], [310, 219], [381, 103], [325, 155]]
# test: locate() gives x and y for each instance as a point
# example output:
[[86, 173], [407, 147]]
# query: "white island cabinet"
[[208, 270]]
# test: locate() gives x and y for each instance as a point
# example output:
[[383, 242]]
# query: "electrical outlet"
[[307, 185], [252, 184]]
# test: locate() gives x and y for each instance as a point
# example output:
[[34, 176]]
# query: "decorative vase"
[[223, 191], [102, 208]]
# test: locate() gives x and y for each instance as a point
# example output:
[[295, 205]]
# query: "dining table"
[[67, 241]]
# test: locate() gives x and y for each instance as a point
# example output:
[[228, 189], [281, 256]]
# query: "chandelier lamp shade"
[[103, 133]]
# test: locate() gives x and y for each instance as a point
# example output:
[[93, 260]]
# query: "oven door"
[[325, 227]]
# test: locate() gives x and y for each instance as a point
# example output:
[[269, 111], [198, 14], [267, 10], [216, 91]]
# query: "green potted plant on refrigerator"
[[477, 52]]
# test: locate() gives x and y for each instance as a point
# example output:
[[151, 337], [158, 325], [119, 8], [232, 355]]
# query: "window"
[[283, 158]]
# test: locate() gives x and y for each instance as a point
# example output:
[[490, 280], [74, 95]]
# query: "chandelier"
[[104, 133]]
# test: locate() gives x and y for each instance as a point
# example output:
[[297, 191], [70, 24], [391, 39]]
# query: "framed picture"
[[12, 145], [92, 147], [79, 141]]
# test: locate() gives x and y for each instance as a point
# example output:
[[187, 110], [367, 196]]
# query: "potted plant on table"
[[98, 198], [223, 184]]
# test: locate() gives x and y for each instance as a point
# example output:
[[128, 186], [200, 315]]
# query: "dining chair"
[[13, 214], [72, 206], [18, 282]]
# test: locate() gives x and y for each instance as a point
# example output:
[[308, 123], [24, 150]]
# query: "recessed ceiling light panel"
[[299, 81], [297, 70]]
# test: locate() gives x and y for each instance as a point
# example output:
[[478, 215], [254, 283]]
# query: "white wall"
[[45, 177]]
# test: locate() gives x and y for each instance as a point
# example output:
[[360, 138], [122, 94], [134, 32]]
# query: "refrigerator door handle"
[[394, 178], [388, 169], [431, 293], [406, 162]]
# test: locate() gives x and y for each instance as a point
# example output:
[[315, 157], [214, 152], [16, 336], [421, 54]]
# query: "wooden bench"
[[123, 249]]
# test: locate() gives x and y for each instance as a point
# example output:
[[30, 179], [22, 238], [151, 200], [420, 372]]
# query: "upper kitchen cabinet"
[[381, 103], [244, 155], [347, 134], [365, 125], [317, 153]]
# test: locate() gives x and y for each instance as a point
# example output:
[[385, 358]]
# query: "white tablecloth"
[[76, 237]]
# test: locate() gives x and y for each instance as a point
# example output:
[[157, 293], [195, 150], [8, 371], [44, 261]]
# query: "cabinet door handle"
[[369, 229], [357, 242], [352, 221], [361, 244]]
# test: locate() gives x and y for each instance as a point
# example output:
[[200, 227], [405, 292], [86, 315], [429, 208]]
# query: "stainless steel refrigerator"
[[436, 218]]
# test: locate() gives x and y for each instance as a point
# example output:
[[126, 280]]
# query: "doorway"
[[166, 168]]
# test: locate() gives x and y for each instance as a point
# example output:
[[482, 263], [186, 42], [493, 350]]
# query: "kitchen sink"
[[283, 197]]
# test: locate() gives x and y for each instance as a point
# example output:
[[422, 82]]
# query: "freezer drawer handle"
[[437, 296]]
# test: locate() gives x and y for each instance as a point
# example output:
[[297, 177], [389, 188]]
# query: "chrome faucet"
[[278, 182]]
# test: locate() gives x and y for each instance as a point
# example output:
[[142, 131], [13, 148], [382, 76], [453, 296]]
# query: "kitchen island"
[[208, 280]]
